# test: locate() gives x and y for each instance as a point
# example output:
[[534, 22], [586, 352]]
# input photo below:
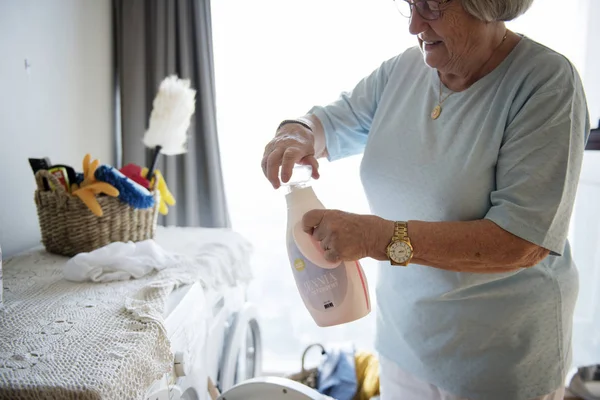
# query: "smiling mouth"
[[427, 45]]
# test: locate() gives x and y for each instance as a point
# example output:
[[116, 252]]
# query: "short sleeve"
[[539, 163], [347, 120]]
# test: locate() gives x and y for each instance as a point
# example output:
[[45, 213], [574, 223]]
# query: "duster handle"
[[153, 164]]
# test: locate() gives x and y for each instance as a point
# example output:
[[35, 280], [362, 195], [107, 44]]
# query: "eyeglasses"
[[429, 10]]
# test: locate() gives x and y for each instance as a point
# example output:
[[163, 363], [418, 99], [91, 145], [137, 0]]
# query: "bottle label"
[[324, 288]]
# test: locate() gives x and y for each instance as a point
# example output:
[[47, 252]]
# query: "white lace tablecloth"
[[65, 340]]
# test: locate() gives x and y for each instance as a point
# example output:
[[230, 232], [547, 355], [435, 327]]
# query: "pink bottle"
[[333, 293]]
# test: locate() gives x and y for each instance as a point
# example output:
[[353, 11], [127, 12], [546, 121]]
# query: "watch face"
[[400, 252]]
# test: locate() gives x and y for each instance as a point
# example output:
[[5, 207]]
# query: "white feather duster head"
[[172, 109]]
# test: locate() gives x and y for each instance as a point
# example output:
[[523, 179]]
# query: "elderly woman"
[[472, 144]]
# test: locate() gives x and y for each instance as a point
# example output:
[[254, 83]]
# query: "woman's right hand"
[[292, 144]]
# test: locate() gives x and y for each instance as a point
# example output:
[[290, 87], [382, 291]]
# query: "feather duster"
[[172, 110]]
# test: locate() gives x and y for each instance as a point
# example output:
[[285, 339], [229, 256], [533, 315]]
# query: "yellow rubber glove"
[[90, 187], [165, 195]]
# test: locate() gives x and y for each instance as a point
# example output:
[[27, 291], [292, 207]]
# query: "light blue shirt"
[[508, 149]]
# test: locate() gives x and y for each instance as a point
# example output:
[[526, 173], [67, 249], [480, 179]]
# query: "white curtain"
[[274, 59]]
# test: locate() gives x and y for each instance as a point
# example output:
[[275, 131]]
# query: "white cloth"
[[119, 261], [396, 383]]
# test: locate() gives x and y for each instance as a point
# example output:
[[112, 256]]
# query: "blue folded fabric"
[[337, 373]]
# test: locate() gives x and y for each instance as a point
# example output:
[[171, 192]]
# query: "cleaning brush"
[[127, 190], [172, 110]]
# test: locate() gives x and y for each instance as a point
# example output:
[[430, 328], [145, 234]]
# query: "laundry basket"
[[68, 227], [308, 377]]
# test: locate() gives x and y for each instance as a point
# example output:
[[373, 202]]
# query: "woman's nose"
[[417, 23]]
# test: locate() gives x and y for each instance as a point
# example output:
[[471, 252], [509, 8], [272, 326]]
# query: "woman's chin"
[[435, 55], [432, 60]]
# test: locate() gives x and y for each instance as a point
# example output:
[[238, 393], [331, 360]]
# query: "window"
[[273, 60]]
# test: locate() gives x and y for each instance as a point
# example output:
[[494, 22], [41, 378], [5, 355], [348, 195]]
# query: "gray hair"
[[496, 10]]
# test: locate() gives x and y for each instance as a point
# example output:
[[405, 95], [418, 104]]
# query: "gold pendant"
[[436, 112]]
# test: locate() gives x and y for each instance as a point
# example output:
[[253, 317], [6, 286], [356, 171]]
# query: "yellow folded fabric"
[[367, 374]]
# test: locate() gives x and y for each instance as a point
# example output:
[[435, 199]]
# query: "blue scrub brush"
[[130, 192]]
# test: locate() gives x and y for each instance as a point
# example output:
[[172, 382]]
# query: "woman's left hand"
[[348, 237]]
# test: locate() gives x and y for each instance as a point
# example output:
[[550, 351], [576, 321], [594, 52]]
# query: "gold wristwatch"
[[400, 251]]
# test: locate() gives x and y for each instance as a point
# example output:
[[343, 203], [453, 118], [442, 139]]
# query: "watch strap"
[[400, 231], [295, 121]]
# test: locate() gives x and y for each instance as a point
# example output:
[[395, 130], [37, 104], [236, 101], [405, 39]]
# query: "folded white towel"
[[119, 261]]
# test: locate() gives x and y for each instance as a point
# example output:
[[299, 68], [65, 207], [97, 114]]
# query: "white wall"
[[59, 107], [591, 73]]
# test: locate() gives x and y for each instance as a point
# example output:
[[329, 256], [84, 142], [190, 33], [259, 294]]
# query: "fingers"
[[165, 193], [314, 163], [286, 159], [320, 233], [292, 145], [162, 207], [90, 201], [331, 255], [292, 156], [103, 187], [329, 249], [312, 224], [311, 220], [86, 163], [273, 162]]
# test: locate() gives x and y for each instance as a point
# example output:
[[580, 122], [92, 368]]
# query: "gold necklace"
[[437, 110]]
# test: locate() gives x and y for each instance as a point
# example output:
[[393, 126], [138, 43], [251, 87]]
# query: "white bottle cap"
[[301, 174]]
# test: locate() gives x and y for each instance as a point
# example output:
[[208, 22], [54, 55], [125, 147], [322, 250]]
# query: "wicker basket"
[[68, 227], [308, 377]]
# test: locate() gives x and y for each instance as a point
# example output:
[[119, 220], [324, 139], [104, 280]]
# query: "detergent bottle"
[[333, 293]]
